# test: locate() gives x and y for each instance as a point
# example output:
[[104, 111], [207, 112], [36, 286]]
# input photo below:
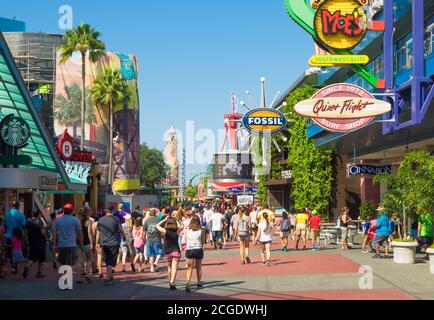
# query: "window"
[[429, 39], [404, 54]]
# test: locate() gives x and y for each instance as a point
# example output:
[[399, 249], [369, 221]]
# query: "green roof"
[[15, 99]]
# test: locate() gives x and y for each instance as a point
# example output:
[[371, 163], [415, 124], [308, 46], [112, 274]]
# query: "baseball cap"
[[127, 217], [68, 206], [153, 211]]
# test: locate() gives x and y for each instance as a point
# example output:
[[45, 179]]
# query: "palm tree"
[[109, 89], [85, 40], [67, 108]]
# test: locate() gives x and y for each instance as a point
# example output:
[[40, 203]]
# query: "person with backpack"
[[242, 230], [285, 230], [139, 243]]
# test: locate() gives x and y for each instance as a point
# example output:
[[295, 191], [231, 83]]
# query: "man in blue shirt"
[[13, 219], [382, 234], [68, 238]]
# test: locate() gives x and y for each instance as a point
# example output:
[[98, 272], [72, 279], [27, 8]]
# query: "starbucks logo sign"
[[14, 131]]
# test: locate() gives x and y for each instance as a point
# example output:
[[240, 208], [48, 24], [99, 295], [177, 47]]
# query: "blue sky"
[[192, 53]]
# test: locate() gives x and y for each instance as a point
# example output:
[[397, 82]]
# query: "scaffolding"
[[35, 55]]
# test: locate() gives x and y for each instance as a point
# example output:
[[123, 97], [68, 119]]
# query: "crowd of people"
[[86, 240]]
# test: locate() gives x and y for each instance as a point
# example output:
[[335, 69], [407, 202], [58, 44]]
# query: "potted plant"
[[430, 252], [410, 190]]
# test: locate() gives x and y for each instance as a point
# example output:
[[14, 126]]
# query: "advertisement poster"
[[233, 167], [245, 200], [126, 140]]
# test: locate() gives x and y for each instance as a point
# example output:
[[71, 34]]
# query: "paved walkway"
[[296, 275]]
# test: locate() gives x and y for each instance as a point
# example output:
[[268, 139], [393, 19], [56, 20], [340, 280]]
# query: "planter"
[[430, 251], [404, 252]]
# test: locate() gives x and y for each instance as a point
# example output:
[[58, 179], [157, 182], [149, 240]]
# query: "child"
[[366, 235], [17, 249], [139, 242], [285, 229], [2, 249]]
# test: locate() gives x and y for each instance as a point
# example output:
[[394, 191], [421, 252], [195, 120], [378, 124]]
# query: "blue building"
[[12, 25], [404, 57]]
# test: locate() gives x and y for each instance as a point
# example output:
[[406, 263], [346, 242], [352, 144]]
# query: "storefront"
[[29, 162]]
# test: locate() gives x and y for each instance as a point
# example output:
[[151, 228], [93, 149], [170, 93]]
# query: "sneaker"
[[243, 262], [187, 289], [124, 270], [283, 249], [264, 263], [200, 285], [377, 256], [172, 288], [133, 268], [156, 268], [248, 260], [267, 263]]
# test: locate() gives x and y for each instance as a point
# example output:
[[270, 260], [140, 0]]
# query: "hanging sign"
[[342, 108], [340, 24], [14, 131], [265, 120]]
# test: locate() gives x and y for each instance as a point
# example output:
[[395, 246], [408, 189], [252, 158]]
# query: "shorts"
[[344, 233], [37, 254], [68, 256], [217, 235], [244, 238], [173, 255], [266, 242], [285, 234], [381, 240], [426, 241], [301, 230], [315, 234], [154, 249], [140, 250], [196, 254], [128, 248], [111, 255], [17, 256]]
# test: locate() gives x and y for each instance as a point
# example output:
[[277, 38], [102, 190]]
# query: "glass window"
[[429, 39], [404, 54]]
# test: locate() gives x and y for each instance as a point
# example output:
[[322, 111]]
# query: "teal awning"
[[15, 99]]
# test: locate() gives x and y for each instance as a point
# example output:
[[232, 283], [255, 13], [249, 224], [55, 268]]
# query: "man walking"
[[37, 243], [154, 248], [66, 234], [315, 227], [217, 221], [382, 234], [109, 230]]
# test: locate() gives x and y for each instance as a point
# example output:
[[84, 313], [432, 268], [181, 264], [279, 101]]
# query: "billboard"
[[233, 167], [126, 140]]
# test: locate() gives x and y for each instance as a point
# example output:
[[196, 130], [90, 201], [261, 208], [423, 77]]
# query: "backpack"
[[138, 238], [286, 226], [243, 227]]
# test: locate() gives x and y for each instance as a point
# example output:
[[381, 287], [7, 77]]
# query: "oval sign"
[[342, 107], [265, 121]]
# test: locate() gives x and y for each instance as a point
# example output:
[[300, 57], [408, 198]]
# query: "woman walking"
[[265, 237], [128, 244], [171, 228], [195, 245], [242, 231], [139, 243], [85, 258], [345, 220]]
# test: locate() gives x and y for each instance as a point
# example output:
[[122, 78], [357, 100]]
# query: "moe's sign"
[[265, 120], [340, 24], [342, 107]]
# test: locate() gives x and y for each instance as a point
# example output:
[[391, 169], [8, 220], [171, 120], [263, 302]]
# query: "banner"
[[126, 140]]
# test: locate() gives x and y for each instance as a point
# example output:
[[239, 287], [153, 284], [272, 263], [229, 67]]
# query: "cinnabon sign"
[[342, 107]]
